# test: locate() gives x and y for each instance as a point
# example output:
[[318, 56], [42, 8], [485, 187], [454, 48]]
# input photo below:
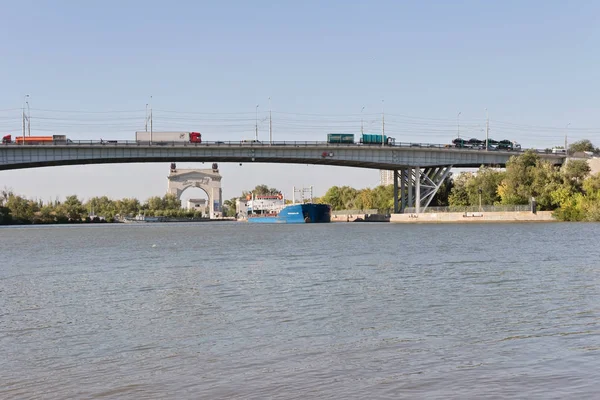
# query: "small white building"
[[197, 205]]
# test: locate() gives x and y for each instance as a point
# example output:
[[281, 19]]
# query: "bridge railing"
[[244, 144], [355, 212], [484, 208]]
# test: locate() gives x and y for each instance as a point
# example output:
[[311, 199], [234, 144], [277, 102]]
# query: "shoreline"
[[474, 217], [450, 217]]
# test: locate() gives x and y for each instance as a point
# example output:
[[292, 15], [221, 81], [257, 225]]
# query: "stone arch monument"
[[208, 180]]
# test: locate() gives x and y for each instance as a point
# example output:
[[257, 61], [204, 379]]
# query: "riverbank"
[[474, 217]]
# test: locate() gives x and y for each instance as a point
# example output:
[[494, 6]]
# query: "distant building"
[[197, 205], [386, 177]]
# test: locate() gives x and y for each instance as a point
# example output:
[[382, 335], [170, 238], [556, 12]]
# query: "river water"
[[337, 311]]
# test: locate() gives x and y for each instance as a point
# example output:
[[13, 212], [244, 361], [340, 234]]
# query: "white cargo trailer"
[[192, 137]]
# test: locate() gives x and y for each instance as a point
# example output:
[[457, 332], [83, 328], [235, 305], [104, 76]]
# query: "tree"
[[466, 188], [575, 171], [488, 180], [340, 198], [5, 216], [580, 146], [73, 208], [154, 203], [21, 209], [459, 196], [127, 206], [365, 199], [591, 186], [261, 190], [4, 195], [230, 207], [171, 202], [516, 186], [546, 181]]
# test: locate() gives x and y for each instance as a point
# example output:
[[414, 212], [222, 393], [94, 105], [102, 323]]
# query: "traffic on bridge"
[[186, 139]]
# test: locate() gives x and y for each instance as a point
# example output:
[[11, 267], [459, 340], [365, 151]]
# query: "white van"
[[558, 151]]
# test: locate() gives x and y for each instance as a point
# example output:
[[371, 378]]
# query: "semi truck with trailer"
[[186, 137], [365, 138], [54, 139]]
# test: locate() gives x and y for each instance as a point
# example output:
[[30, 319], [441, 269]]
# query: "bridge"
[[419, 168]]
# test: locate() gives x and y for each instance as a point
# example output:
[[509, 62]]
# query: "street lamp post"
[[487, 129], [151, 119], [28, 117], [382, 123], [458, 124], [566, 132], [256, 125], [361, 120]]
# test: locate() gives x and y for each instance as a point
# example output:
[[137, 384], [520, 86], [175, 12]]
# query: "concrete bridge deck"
[[398, 156]]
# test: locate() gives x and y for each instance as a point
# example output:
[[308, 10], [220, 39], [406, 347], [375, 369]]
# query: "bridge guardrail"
[[483, 208], [118, 143]]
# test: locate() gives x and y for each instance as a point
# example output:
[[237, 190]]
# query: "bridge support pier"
[[396, 191], [402, 189], [409, 183], [418, 187]]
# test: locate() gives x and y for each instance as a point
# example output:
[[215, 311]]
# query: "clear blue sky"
[[533, 65]]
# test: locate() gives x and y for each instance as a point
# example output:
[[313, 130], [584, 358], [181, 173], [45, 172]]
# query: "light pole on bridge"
[[361, 121], [566, 132], [382, 123], [148, 118], [458, 124], [487, 129], [256, 125]]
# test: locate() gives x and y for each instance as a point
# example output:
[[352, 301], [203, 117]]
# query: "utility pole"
[[487, 129], [458, 124], [28, 117], [270, 124], [382, 123], [256, 125], [23, 114], [146, 119], [566, 132], [361, 120], [151, 119]]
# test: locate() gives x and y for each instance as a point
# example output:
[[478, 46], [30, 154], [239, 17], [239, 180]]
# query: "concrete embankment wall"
[[473, 217], [360, 218]]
